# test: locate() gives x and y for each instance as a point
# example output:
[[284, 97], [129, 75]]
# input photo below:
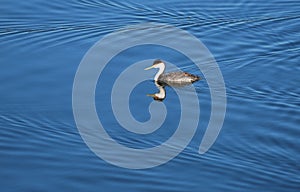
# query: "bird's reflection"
[[161, 95]]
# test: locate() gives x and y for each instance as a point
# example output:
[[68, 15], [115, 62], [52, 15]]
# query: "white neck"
[[161, 70]]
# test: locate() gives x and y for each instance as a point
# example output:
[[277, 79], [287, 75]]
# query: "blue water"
[[256, 44]]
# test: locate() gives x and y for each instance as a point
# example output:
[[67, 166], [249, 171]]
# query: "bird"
[[177, 78]]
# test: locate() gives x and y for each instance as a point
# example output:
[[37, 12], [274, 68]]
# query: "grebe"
[[173, 78]]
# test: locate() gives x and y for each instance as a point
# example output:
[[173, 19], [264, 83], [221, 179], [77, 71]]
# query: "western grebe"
[[173, 78]]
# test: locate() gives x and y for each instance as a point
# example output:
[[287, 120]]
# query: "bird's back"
[[178, 78]]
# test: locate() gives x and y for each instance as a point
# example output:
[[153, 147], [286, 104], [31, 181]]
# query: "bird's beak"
[[151, 95], [149, 68]]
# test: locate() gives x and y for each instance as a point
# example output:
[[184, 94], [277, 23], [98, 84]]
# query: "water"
[[255, 43]]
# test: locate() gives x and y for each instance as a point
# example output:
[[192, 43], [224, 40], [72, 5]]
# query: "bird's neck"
[[160, 71]]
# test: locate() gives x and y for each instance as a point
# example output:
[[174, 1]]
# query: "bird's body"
[[177, 77], [173, 78]]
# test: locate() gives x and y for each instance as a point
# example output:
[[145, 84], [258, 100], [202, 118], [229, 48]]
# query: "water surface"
[[255, 43]]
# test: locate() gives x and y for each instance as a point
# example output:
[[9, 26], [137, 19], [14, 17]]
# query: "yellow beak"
[[149, 68], [151, 95]]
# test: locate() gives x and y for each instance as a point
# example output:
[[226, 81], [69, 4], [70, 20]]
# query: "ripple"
[[255, 44]]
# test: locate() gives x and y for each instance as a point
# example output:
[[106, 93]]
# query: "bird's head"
[[156, 64]]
